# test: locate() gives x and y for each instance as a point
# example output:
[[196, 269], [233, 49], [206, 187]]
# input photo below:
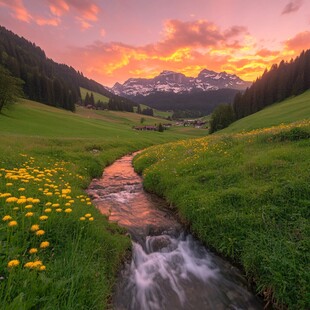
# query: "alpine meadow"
[[154, 155]]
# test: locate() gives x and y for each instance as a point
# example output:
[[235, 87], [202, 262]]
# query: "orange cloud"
[[298, 43], [48, 21], [58, 7], [17, 6]]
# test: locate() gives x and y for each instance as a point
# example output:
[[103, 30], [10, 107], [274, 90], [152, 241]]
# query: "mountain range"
[[178, 83]]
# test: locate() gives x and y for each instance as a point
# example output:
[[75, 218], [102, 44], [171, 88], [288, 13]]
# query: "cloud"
[[48, 21], [18, 8], [299, 42], [292, 6], [58, 7]]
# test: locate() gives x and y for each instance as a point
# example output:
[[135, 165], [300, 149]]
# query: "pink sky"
[[113, 40]]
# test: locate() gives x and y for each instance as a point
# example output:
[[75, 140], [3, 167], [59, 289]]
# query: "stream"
[[169, 269]]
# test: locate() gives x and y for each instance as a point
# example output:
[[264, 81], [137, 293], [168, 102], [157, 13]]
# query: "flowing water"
[[169, 268]]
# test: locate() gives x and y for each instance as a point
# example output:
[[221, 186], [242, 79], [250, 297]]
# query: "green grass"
[[287, 111], [97, 96], [247, 196], [44, 150]]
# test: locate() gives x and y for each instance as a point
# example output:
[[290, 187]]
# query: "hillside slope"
[[246, 195]]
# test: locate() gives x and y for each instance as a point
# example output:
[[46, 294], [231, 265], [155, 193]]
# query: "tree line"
[[45, 80], [280, 82]]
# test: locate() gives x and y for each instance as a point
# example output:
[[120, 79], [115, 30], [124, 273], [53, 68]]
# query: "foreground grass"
[[247, 196], [56, 250]]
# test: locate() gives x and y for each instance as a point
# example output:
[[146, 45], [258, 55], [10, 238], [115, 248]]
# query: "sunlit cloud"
[[18, 9], [292, 6], [300, 42]]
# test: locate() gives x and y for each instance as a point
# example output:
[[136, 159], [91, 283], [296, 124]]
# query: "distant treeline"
[[45, 80], [280, 82]]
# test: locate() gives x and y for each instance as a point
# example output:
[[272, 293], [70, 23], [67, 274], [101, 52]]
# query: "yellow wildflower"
[[9, 184], [68, 210], [44, 244], [55, 205], [40, 232], [91, 219], [12, 223], [48, 204], [42, 268], [29, 214], [21, 189], [68, 204], [35, 200], [11, 199], [6, 218], [29, 265], [48, 210], [16, 208], [43, 217], [88, 215], [13, 263], [30, 199], [33, 250], [58, 210], [82, 218], [21, 200], [28, 207], [35, 227], [88, 203]]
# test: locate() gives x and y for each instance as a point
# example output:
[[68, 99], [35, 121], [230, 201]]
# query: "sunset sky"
[[113, 40]]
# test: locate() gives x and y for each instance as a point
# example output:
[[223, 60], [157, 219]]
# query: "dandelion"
[[91, 219], [43, 217], [16, 208], [28, 206], [21, 201], [55, 205], [68, 204], [88, 215], [6, 218], [42, 268], [11, 199], [33, 250], [48, 204], [58, 210], [29, 265], [9, 184], [48, 210], [29, 214], [35, 227], [21, 189], [13, 263], [30, 199], [88, 203], [44, 244], [35, 200], [12, 223], [82, 218], [37, 264], [40, 232], [68, 210]]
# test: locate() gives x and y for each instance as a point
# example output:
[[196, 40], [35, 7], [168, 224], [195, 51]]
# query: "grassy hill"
[[57, 251], [245, 192], [287, 111], [97, 96]]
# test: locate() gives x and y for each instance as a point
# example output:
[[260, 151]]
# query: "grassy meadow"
[[97, 96], [56, 250], [246, 194]]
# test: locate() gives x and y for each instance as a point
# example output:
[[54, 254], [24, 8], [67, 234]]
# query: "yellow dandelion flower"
[[44, 244], [9, 184], [68, 204], [11, 199], [48, 210], [29, 265], [55, 205], [13, 263], [12, 223], [43, 217], [91, 219], [28, 206], [21, 189], [5, 195], [6, 218], [37, 264], [68, 210], [82, 200], [88, 203], [16, 208], [48, 204], [58, 210], [49, 194], [42, 268], [87, 215], [35, 200], [21, 201], [29, 214], [71, 201], [33, 250], [40, 232], [82, 218], [35, 227]]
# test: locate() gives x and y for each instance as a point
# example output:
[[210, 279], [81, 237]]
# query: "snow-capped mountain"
[[178, 83]]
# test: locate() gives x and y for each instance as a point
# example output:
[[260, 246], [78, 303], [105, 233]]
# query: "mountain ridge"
[[178, 83]]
